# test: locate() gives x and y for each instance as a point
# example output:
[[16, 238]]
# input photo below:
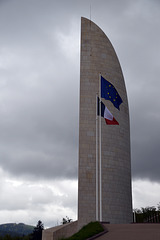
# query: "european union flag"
[[109, 92]]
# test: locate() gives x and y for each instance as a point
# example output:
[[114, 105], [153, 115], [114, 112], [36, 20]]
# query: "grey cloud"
[[23, 196], [39, 83], [40, 126], [39, 100], [30, 201]]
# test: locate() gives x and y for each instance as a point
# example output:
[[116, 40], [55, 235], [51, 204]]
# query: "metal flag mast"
[[100, 155], [97, 218]]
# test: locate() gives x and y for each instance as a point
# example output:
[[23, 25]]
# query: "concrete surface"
[[131, 232]]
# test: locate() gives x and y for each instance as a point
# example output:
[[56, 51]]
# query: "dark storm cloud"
[[134, 33], [39, 100], [39, 85], [39, 127], [142, 70], [39, 130]]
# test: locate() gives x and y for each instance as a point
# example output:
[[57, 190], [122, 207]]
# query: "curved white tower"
[[98, 56]]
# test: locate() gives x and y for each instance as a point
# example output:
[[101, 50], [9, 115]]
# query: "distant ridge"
[[14, 229]]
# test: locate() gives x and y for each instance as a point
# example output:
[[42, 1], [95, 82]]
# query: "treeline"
[[35, 235], [10, 237], [147, 215], [14, 229]]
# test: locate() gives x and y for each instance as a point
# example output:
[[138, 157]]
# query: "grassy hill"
[[89, 230], [14, 229]]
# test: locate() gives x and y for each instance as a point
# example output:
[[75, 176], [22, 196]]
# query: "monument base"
[[62, 231]]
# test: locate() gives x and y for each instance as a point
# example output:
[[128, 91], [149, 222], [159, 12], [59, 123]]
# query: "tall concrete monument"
[[114, 200]]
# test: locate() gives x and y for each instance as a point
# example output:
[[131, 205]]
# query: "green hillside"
[[14, 229]]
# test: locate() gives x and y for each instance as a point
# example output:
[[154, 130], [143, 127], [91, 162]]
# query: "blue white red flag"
[[106, 114]]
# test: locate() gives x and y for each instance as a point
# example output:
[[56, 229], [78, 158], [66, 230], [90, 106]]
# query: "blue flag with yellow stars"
[[109, 92]]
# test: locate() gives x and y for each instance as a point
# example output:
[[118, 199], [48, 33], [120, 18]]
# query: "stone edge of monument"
[[61, 231]]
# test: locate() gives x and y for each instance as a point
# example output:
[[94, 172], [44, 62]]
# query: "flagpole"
[[96, 157], [100, 155]]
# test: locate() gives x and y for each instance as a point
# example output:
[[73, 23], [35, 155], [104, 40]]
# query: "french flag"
[[107, 115]]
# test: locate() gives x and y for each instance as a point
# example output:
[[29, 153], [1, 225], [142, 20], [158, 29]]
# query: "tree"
[[66, 220], [37, 232]]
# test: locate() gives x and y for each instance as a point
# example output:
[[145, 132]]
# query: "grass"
[[87, 231]]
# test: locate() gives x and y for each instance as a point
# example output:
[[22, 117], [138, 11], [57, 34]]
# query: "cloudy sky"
[[39, 101]]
